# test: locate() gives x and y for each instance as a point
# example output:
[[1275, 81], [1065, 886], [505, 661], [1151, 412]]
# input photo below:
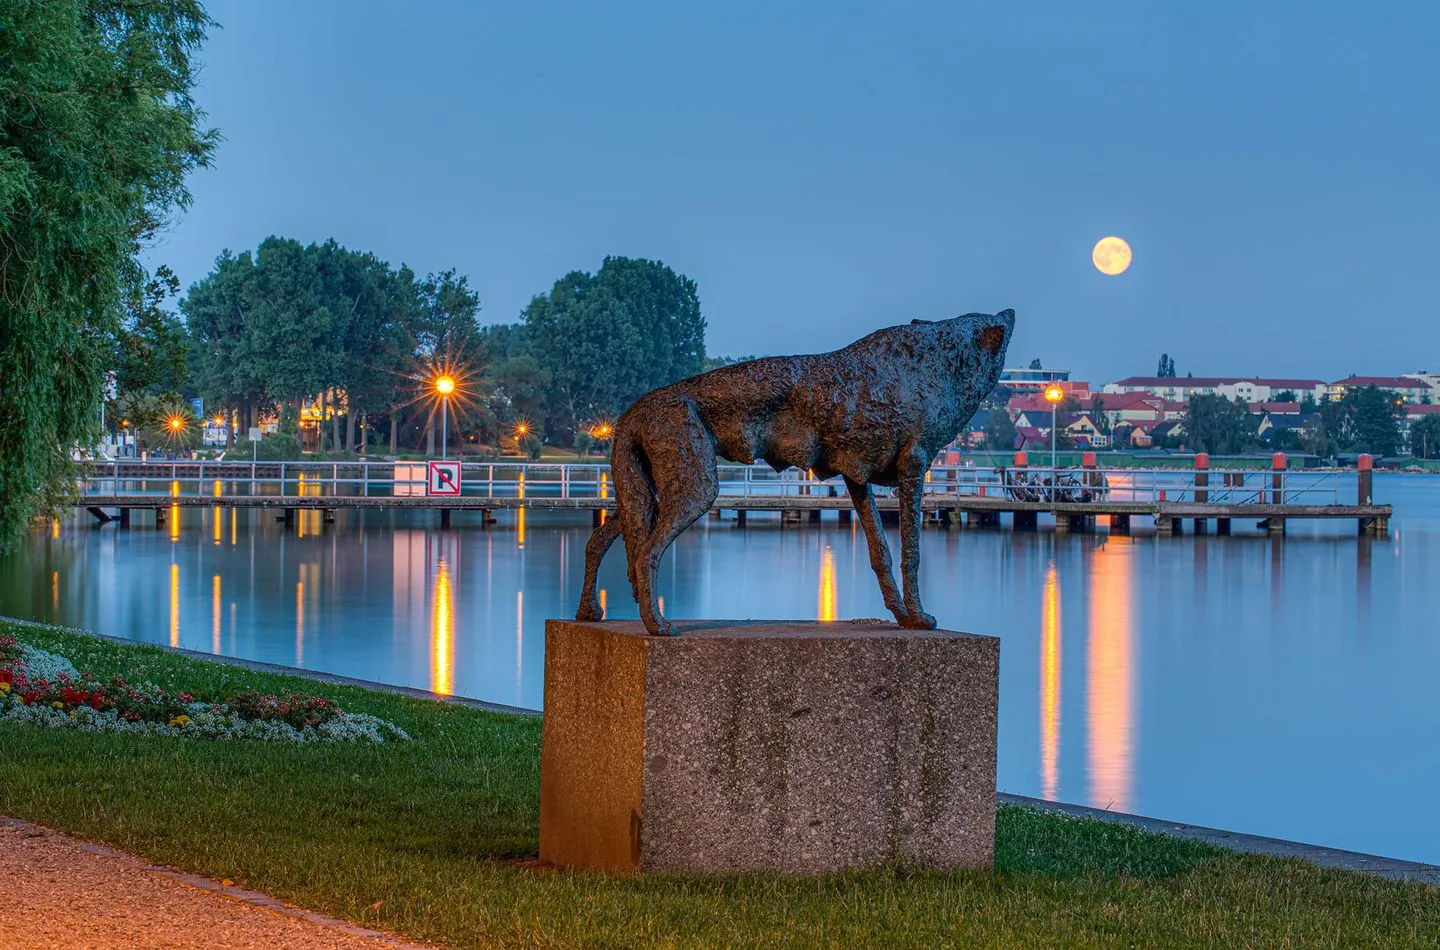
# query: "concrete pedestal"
[[795, 747]]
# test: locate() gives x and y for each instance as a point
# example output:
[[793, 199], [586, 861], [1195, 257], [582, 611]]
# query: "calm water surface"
[[1279, 687]]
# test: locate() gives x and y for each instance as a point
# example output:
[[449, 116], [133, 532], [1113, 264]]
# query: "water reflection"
[[519, 641], [174, 604], [828, 599], [300, 618], [215, 611], [442, 632], [1050, 686], [1110, 670]]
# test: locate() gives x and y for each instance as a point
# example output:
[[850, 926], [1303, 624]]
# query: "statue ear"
[[991, 339]]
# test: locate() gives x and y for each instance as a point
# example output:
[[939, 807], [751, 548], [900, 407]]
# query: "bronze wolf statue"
[[875, 412]]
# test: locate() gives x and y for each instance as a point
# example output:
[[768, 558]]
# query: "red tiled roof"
[[1383, 382]]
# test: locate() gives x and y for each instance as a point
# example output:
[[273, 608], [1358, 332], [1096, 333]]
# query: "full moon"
[[1111, 255]]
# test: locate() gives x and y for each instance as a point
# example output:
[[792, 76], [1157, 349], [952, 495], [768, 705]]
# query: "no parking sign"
[[444, 478]]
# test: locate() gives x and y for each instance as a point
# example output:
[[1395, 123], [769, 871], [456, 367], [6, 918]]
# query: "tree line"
[[1365, 420], [289, 326]]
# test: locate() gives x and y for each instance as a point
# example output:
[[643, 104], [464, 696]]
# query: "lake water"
[[1278, 687]]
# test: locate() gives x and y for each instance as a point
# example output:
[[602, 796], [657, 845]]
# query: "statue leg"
[[879, 550], [683, 470], [912, 513], [600, 540]]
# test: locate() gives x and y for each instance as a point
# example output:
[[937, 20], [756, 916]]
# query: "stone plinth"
[[741, 746]]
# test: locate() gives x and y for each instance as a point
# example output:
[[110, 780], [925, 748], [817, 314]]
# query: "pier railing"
[[588, 480]]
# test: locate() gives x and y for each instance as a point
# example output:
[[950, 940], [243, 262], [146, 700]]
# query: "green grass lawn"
[[430, 839]]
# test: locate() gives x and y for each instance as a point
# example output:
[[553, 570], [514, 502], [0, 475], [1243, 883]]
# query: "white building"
[[1246, 389]]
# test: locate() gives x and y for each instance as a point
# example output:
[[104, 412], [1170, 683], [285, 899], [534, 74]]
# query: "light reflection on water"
[[1273, 686], [1050, 686], [1109, 686]]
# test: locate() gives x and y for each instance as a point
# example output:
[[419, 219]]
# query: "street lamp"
[[445, 385], [1053, 395]]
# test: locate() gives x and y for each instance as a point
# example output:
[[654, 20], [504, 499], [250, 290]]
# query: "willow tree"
[[97, 133]]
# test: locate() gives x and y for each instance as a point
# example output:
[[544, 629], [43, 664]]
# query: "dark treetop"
[[875, 412]]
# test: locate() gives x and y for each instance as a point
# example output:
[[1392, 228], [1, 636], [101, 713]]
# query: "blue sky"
[[821, 169]]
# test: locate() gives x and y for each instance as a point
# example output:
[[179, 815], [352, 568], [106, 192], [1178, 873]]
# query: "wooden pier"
[[956, 495]]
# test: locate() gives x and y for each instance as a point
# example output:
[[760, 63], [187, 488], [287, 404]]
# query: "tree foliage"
[[1166, 369], [1218, 425], [1364, 420], [98, 131], [1425, 437], [607, 338], [999, 431], [294, 322]]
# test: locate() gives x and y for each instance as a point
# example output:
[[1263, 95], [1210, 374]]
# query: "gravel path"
[[58, 892]]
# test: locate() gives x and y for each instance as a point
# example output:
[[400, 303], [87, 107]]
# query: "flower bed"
[[45, 689]]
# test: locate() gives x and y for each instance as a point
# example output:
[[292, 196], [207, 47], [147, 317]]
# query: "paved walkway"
[[59, 892]]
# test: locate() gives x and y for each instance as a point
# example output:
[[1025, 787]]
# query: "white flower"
[[206, 720]]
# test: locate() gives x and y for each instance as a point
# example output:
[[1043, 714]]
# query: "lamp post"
[[445, 385], [1053, 395], [521, 429]]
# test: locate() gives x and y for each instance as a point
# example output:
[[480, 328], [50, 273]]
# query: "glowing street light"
[[176, 423], [445, 385], [1053, 395]]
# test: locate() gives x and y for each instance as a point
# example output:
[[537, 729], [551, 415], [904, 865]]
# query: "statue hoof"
[[662, 629], [588, 613], [919, 620]]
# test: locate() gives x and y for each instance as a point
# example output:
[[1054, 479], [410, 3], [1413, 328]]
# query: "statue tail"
[[635, 499], [635, 504]]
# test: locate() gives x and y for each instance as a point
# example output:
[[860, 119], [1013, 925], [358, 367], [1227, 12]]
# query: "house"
[[1126, 435], [1135, 407], [1407, 388], [1029, 437], [1169, 429], [1082, 430], [1269, 425]]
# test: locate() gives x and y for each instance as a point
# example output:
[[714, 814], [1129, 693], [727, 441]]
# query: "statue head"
[[980, 341]]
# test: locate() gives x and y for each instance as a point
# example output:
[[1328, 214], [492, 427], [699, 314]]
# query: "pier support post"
[[1120, 524], [1365, 478], [740, 517], [124, 517], [288, 517], [159, 517], [444, 517], [1202, 486], [814, 516], [1222, 526], [845, 514], [1276, 526], [329, 516], [1025, 521]]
